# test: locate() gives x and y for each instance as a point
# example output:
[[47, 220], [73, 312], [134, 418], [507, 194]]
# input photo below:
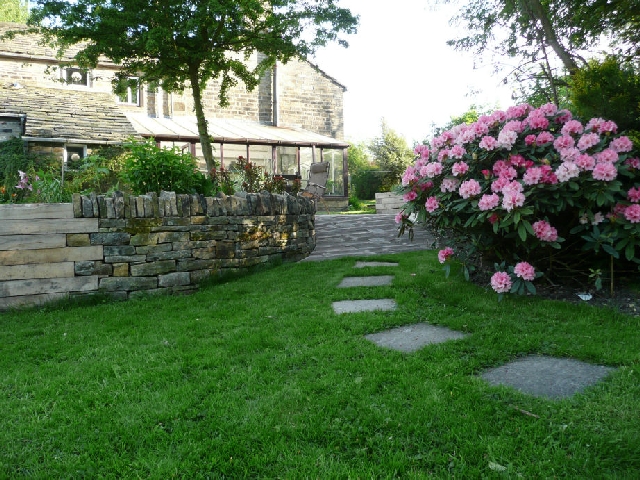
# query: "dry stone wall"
[[124, 245]]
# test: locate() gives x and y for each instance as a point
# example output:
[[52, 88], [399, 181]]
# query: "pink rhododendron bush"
[[533, 190]]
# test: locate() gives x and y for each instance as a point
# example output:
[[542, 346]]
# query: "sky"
[[399, 67]]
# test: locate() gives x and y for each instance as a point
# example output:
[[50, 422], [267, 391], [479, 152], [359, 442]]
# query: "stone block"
[[119, 250], [167, 237], [78, 240], [126, 259], [172, 255], [152, 249], [192, 264], [112, 284], [112, 224], [174, 279], [198, 276], [115, 238], [120, 269], [144, 239], [152, 268], [208, 234], [204, 253]]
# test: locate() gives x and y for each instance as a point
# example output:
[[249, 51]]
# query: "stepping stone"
[[355, 306], [376, 281], [413, 337], [375, 264], [548, 377]]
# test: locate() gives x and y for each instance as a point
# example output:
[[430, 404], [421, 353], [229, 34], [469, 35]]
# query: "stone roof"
[[28, 46], [65, 113]]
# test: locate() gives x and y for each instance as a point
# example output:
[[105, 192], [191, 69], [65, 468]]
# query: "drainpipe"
[[275, 95]]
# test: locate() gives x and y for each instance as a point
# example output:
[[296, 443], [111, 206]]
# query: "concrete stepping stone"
[[413, 337], [375, 264], [548, 377], [355, 306], [375, 281]]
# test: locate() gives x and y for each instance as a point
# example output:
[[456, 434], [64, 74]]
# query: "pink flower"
[[501, 282], [426, 185], [632, 213], [530, 139], [469, 188], [480, 129], [517, 160], [399, 217], [608, 126], [544, 231], [443, 154], [634, 195], [605, 172], [565, 141], [445, 254], [512, 187], [569, 154], [564, 116], [507, 138], [538, 123], [607, 155], [431, 169], [533, 176], [597, 219], [548, 109], [410, 196], [585, 162], [493, 218], [457, 151], [449, 185], [572, 127], [567, 171], [633, 163], [459, 168], [621, 144], [498, 184], [587, 141], [593, 125], [488, 202], [422, 151], [488, 143], [409, 176], [513, 126], [544, 138], [431, 204], [525, 271], [512, 200]]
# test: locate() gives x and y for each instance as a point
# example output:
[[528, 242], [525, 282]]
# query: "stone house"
[[292, 119]]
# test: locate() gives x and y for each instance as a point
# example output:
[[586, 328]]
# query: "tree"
[[537, 31], [608, 89], [365, 175], [392, 155], [15, 11], [175, 43]]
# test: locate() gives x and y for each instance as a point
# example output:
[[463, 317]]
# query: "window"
[[73, 155], [131, 95], [76, 76]]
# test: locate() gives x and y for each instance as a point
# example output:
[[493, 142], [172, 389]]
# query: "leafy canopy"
[[15, 11]]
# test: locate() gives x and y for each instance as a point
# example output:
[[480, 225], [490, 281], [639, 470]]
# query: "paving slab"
[[363, 235], [375, 264], [548, 377], [374, 281], [413, 337], [355, 306]]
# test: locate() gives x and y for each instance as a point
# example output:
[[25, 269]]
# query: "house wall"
[[123, 246]]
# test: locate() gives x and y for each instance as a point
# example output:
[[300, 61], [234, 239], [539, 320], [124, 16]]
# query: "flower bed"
[[533, 188]]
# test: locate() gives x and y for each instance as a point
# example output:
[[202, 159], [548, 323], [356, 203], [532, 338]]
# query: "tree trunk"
[[537, 12], [205, 141]]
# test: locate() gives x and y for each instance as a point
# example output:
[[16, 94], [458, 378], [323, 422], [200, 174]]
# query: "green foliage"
[[148, 168], [392, 155], [13, 158], [608, 89], [250, 175], [15, 11], [365, 177], [222, 180], [173, 43], [99, 172]]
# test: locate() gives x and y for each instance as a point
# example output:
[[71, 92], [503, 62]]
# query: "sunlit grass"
[[257, 377]]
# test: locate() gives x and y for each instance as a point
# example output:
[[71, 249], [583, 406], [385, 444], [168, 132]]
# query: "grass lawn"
[[257, 377]]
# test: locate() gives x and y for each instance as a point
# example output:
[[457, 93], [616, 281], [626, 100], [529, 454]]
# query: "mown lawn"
[[257, 377]]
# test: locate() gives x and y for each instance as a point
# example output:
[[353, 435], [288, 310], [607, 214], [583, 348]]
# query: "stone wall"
[[388, 203], [127, 245]]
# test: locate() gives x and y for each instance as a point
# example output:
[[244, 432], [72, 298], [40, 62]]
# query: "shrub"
[[530, 185], [148, 168]]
